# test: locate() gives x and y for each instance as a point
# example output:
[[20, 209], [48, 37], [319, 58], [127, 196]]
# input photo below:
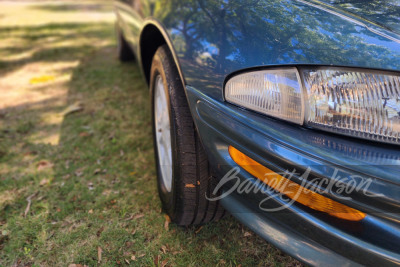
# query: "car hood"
[[382, 13]]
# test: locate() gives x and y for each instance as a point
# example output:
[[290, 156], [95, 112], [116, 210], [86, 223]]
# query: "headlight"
[[354, 102], [276, 93]]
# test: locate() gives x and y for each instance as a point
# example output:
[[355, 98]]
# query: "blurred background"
[[77, 182]]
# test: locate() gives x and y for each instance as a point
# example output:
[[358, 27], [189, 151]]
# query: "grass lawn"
[[77, 177]]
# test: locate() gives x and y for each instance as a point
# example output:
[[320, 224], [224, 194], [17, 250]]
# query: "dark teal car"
[[285, 113]]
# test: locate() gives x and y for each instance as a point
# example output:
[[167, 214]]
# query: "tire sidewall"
[[162, 67]]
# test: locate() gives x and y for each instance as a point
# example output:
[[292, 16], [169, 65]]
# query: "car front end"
[[297, 106], [359, 174]]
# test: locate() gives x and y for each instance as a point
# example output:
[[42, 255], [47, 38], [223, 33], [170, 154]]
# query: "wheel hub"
[[163, 133]]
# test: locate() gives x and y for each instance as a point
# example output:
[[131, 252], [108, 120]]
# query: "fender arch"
[[152, 35]]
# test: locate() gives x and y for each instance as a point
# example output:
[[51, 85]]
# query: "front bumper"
[[309, 236]]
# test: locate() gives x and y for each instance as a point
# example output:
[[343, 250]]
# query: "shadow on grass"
[[50, 42]]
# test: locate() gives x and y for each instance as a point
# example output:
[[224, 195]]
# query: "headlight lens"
[[354, 102], [272, 92], [358, 103]]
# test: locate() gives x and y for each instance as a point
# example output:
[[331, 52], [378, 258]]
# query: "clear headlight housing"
[[272, 92], [354, 102]]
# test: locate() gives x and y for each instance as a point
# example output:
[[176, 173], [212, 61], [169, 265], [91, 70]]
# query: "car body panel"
[[383, 13], [374, 240], [212, 40], [301, 247]]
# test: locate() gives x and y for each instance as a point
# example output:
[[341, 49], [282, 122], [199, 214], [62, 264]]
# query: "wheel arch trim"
[[152, 22]]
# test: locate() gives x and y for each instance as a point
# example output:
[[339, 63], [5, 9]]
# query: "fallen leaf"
[[134, 217], [164, 263], [78, 106], [44, 164], [84, 134], [133, 232], [100, 231], [29, 200], [77, 265], [138, 216], [99, 252], [164, 249], [41, 79], [246, 234], [141, 255], [190, 185], [30, 153], [127, 261], [118, 262], [156, 260], [44, 182], [133, 257], [90, 211], [96, 171], [79, 173], [198, 230], [167, 221]]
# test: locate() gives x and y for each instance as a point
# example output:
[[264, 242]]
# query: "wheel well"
[[151, 38]]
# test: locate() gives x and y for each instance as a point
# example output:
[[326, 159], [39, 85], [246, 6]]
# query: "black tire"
[[186, 203], [124, 51]]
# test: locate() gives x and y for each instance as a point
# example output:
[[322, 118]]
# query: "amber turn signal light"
[[295, 191]]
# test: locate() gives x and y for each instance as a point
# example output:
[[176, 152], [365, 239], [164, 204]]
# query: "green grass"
[[89, 174]]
